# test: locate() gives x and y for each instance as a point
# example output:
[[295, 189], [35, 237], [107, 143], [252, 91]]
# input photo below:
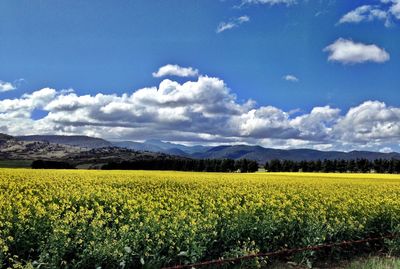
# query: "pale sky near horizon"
[[279, 73]]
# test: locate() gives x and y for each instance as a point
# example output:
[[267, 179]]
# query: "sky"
[[320, 74]]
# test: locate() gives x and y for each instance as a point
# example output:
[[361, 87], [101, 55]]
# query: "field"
[[117, 219], [15, 164]]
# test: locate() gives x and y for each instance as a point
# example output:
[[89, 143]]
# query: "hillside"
[[55, 146], [12, 148], [257, 153], [137, 146], [5, 137], [262, 155], [160, 146], [76, 140]]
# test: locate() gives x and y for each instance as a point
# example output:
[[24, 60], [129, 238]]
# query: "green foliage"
[[375, 263], [15, 163], [335, 166]]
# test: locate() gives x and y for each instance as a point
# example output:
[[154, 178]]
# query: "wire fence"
[[284, 252]]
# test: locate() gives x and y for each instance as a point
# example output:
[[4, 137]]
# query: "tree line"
[[331, 166], [40, 164], [243, 165], [195, 165]]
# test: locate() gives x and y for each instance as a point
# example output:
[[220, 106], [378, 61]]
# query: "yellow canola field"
[[114, 219]]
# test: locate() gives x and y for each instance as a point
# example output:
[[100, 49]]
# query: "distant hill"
[[160, 146], [137, 146], [174, 147], [257, 153], [70, 149], [5, 137], [75, 140], [79, 144], [15, 149], [262, 155]]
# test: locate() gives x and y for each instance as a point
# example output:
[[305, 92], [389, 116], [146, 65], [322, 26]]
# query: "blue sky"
[[290, 55]]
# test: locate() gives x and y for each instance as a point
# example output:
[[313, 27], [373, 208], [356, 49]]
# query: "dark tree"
[[40, 164]]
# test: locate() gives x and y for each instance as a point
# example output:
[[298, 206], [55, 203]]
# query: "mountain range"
[[257, 153], [79, 151], [73, 140]]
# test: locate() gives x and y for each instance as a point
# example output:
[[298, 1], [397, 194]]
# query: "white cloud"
[[349, 52], [15, 114], [291, 78], [364, 13], [395, 9], [386, 150], [204, 110], [223, 26], [371, 121], [243, 19], [386, 10], [264, 122], [28, 102], [318, 124], [176, 70], [6, 86]]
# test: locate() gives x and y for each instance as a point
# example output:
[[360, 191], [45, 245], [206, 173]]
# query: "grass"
[[15, 163], [372, 262], [375, 263]]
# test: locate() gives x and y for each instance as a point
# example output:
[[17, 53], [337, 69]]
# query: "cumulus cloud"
[[204, 110], [318, 124], [347, 51], [264, 122], [370, 121], [223, 26], [175, 70], [28, 102], [290, 78], [6, 86], [15, 114]]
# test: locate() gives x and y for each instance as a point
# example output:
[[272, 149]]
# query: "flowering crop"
[[114, 219]]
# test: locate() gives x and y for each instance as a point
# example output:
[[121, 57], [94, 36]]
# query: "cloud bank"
[[203, 110]]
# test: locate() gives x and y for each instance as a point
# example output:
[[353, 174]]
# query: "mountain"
[[160, 146], [257, 153], [5, 137], [262, 155], [173, 147], [75, 140], [137, 146], [12, 148], [66, 145]]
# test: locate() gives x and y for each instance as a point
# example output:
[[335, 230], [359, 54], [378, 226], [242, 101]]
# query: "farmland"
[[80, 219]]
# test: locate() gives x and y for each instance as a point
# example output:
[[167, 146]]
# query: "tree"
[[252, 166]]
